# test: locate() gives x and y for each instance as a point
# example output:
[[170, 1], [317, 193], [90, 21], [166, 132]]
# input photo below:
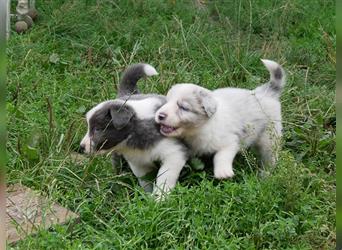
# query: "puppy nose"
[[81, 149], [162, 116]]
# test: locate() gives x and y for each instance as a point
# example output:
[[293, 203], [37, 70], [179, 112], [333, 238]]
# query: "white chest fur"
[[207, 139]]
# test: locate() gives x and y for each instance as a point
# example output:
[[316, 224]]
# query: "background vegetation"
[[72, 59]]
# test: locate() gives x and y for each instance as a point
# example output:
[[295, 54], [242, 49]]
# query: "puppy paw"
[[223, 173], [159, 196]]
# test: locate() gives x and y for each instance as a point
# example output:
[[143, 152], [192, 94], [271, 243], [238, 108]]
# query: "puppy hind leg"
[[268, 146], [223, 162]]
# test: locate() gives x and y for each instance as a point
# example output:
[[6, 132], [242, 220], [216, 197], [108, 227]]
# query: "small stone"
[[33, 13], [27, 19], [21, 26]]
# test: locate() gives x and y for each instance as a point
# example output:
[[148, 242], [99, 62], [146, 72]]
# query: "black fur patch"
[[116, 122], [102, 129], [275, 87], [145, 134], [278, 74], [128, 83]]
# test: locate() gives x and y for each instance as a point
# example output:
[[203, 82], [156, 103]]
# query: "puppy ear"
[[208, 102], [121, 115]]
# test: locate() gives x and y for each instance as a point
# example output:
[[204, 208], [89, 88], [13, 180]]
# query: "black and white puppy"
[[126, 126], [224, 121]]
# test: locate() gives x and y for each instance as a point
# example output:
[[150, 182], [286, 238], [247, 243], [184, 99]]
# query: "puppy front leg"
[[223, 162], [168, 174], [115, 162], [141, 170]]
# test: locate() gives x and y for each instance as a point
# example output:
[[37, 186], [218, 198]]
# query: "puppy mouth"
[[167, 130]]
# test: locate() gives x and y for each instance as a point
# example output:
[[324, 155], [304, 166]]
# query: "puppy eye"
[[96, 130], [183, 107]]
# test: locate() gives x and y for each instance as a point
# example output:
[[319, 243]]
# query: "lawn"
[[72, 59]]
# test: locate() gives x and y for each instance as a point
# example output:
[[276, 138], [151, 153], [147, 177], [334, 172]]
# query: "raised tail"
[[277, 79], [128, 83]]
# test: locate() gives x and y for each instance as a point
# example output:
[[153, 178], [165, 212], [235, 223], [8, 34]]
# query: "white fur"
[[145, 108], [150, 70], [86, 142], [270, 65], [242, 118], [169, 152]]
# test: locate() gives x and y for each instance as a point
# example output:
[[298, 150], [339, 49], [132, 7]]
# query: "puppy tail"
[[277, 79], [128, 83]]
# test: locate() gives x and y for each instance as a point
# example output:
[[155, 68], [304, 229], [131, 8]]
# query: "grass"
[[72, 59]]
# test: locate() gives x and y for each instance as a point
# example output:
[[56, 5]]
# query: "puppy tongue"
[[167, 129]]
